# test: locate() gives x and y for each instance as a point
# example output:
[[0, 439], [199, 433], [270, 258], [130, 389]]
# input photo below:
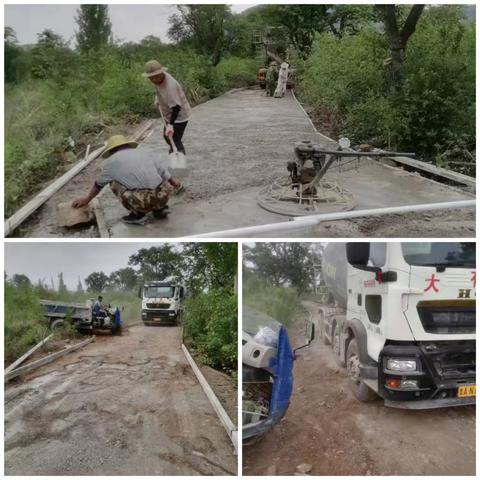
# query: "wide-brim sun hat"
[[116, 141], [153, 68]]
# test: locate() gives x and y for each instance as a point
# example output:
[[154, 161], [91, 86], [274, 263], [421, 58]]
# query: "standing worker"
[[171, 102], [271, 78], [282, 81]]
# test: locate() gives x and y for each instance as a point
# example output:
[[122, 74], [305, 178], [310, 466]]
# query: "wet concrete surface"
[[240, 142], [327, 428], [127, 405]]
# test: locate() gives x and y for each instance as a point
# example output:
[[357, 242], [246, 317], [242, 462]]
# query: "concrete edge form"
[[44, 361], [20, 360], [227, 423]]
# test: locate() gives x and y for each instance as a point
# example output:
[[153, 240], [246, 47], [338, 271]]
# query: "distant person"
[[271, 79], [138, 179], [97, 309], [171, 102], [282, 81]]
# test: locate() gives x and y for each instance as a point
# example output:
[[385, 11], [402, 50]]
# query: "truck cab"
[[408, 331], [162, 302]]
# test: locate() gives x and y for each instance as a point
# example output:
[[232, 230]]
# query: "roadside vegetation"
[[351, 75], [278, 276], [207, 270]]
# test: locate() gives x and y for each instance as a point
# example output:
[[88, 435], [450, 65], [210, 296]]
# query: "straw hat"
[[153, 68], [117, 141]]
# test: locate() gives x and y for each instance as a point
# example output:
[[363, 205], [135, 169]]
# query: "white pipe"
[[312, 220]]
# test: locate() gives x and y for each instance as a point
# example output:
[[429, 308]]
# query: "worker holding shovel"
[[173, 106]]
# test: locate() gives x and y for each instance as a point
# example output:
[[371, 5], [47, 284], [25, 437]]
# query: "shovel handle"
[[172, 143]]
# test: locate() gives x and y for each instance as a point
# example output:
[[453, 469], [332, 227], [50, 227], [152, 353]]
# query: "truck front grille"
[[447, 317], [163, 306]]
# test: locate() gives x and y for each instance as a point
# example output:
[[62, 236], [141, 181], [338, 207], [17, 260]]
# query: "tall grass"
[[280, 303]]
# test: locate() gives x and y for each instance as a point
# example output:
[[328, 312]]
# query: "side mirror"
[[140, 292], [310, 335], [358, 254]]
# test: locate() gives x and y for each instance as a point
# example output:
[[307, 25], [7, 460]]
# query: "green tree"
[[94, 28], [157, 263], [79, 286], [398, 31], [21, 279], [62, 287], [15, 57], [51, 56], [96, 282], [125, 279], [203, 27], [301, 22]]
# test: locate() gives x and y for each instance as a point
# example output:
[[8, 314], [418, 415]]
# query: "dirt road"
[[127, 405], [240, 142], [329, 429]]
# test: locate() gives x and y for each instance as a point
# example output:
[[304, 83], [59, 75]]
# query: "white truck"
[[403, 320], [162, 302]]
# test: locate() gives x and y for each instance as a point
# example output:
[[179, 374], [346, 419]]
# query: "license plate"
[[157, 319], [467, 391]]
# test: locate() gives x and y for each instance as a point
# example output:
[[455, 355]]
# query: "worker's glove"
[[157, 104], [168, 130]]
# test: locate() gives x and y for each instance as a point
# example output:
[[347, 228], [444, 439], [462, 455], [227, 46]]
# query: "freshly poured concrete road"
[[127, 405], [240, 142]]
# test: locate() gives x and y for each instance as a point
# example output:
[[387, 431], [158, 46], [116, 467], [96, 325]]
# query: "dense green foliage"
[[432, 110], [210, 322]]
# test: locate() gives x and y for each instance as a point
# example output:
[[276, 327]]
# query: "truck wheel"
[[59, 323], [336, 346], [360, 390]]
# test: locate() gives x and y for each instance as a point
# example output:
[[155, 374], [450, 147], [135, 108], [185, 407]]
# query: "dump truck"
[[162, 302], [81, 316], [402, 320], [267, 376]]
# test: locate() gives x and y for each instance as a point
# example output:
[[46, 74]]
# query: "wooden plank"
[[434, 170], [45, 360], [20, 360], [21, 215], [217, 406], [30, 207]]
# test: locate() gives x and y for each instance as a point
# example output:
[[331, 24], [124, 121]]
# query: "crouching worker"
[[138, 180]]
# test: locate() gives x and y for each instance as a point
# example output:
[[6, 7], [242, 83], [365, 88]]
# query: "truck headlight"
[[401, 365]]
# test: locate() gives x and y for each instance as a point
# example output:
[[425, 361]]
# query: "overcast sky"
[[129, 22], [45, 260]]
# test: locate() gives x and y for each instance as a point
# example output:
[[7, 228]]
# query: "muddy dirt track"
[[239, 143], [329, 429], [127, 405]]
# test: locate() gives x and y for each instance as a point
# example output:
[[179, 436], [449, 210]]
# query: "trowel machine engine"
[[310, 159]]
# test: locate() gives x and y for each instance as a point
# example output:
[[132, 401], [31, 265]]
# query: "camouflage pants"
[[141, 200], [270, 88]]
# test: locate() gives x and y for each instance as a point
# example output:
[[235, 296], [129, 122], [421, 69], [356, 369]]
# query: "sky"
[[43, 260], [130, 23]]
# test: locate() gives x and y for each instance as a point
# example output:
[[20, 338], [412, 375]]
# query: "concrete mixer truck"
[[402, 320]]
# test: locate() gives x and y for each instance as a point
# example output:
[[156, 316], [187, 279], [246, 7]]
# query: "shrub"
[[210, 321]]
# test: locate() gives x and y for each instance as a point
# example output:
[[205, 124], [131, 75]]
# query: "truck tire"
[[360, 390], [336, 346], [59, 323]]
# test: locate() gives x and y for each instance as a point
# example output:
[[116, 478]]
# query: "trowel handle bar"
[[346, 153]]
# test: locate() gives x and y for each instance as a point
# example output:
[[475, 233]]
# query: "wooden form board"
[[231, 429], [45, 360], [20, 360]]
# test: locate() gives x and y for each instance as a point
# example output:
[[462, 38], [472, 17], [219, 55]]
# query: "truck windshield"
[[158, 292], [452, 254]]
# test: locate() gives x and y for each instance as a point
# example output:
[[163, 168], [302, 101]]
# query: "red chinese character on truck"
[[433, 283]]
